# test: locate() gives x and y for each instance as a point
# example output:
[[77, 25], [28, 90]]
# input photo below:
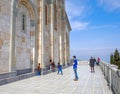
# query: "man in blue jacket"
[[75, 68]]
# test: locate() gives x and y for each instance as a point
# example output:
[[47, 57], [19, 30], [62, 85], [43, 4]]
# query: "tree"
[[111, 59], [116, 56], [118, 64]]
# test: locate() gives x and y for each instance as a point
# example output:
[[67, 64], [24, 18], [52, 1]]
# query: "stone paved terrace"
[[88, 83]]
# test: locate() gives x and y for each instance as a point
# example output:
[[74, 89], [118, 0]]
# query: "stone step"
[[16, 78]]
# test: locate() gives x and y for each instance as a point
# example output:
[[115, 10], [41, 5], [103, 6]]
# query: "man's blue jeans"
[[75, 71]]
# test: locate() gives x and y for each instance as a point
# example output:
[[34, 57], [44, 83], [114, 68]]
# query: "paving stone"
[[88, 83]]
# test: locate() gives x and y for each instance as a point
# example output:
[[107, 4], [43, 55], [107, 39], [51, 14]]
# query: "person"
[[75, 63], [98, 60], [91, 62], [53, 66], [38, 69], [95, 62], [59, 68], [50, 64]]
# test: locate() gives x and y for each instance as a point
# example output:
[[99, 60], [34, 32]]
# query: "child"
[[38, 69], [59, 68]]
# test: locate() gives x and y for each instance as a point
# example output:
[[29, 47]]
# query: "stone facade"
[[5, 17], [32, 32]]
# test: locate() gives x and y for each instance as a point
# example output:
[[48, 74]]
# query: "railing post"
[[110, 76]]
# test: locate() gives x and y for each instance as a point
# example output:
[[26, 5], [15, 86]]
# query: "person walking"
[[92, 63], [59, 68], [75, 63]]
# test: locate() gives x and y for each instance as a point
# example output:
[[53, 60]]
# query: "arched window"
[[23, 23]]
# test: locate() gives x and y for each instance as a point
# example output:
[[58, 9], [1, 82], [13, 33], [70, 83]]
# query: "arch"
[[14, 5], [27, 3], [29, 7]]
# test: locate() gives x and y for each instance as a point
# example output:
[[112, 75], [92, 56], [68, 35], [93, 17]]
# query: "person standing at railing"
[[92, 63], [98, 61]]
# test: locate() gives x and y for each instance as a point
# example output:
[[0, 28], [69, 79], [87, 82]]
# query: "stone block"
[[22, 76], [7, 36], [19, 50], [24, 71], [32, 33], [12, 79], [27, 75], [1, 42], [0, 8], [30, 75], [3, 81], [6, 75], [23, 39], [44, 72]]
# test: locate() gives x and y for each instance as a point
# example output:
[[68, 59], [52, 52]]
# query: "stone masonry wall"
[[23, 39], [5, 15]]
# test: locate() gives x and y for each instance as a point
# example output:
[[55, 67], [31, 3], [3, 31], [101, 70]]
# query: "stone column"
[[36, 36], [65, 47], [12, 63], [68, 47], [39, 32], [60, 39], [33, 35], [52, 29], [42, 32], [63, 40]]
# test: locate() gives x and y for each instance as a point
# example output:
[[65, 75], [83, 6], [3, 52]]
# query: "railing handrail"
[[111, 74]]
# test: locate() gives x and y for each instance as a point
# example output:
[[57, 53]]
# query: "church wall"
[[23, 39], [5, 16]]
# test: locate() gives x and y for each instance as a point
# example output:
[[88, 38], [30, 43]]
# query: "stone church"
[[32, 32]]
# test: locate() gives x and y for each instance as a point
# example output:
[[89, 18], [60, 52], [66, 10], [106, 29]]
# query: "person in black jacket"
[[92, 63]]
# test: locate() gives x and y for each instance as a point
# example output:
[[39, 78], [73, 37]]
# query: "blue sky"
[[95, 28]]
